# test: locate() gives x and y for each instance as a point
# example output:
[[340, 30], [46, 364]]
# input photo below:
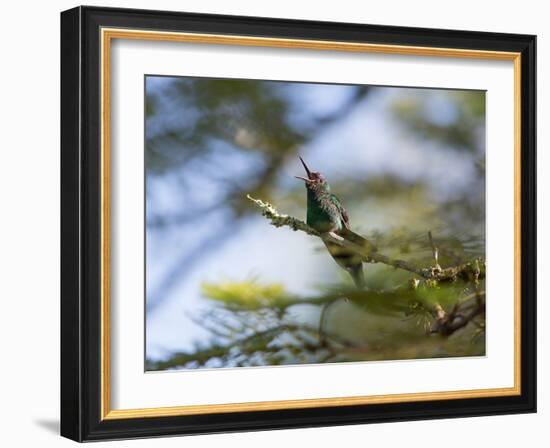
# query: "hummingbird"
[[325, 213]]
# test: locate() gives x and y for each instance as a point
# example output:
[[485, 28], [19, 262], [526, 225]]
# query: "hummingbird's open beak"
[[308, 179], [306, 168]]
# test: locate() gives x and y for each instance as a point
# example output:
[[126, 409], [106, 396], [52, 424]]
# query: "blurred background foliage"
[[224, 288]]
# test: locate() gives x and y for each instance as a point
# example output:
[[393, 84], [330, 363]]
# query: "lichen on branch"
[[280, 220]]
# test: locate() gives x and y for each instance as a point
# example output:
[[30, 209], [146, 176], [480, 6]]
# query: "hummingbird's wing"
[[347, 233], [350, 260], [343, 212], [355, 238]]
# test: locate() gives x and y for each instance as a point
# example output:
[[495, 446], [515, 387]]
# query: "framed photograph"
[[274, 224]]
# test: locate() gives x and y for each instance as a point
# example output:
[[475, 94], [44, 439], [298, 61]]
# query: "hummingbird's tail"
[[354, 264], [348, 260], [356, 272]]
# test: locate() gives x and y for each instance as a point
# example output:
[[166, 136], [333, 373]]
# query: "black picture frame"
[[81, 224]]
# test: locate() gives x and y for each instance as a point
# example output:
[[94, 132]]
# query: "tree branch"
[[474, 270], [460, 315]]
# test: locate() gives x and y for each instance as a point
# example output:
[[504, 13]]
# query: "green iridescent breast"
[[323, 214]]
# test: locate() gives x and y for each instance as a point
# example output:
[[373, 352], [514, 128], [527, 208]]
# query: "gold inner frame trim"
[[107, 35]]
